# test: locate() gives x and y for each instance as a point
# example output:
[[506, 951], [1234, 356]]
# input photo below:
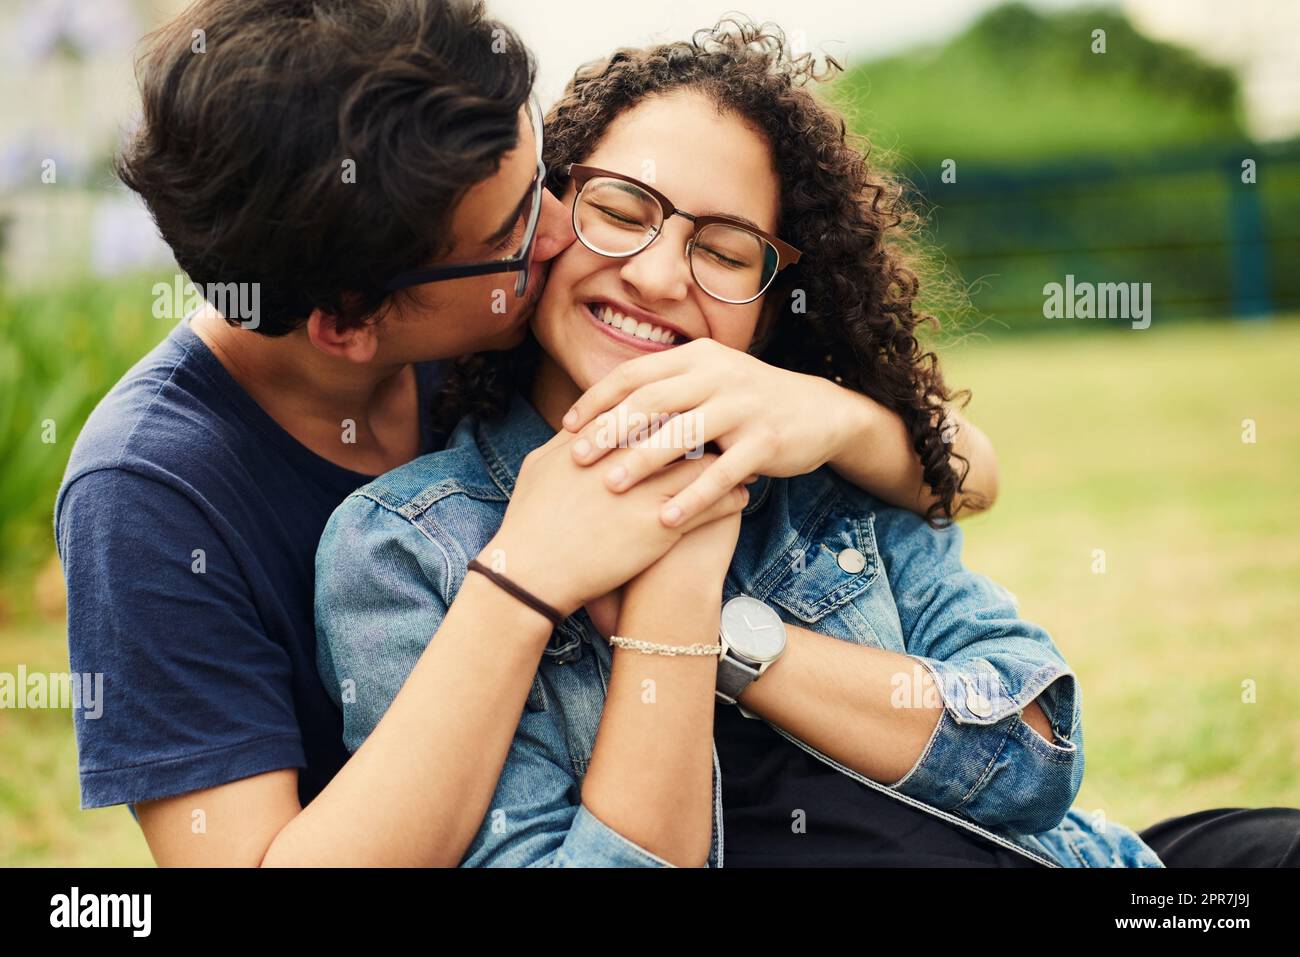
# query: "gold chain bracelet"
[[651, 648]]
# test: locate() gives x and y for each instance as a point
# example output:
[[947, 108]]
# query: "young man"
[[318, 153], [368, 174]]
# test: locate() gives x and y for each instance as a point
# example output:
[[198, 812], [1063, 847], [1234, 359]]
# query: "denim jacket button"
[[851, 560], [976, 703]]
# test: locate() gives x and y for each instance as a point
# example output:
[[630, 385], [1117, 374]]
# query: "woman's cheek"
[[735, 330]]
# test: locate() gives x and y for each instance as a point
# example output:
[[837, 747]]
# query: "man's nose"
[[554, 228]]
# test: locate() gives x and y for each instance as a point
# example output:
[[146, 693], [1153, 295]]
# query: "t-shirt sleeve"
[[195, 693]]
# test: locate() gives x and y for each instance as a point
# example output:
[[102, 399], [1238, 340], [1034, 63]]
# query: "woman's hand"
[[568, 539], [766, 420], [604, 610], [694, 567]]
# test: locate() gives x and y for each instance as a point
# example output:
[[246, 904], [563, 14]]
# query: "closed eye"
[[511, 238]]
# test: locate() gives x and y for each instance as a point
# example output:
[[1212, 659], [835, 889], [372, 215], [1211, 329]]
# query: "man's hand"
[[766, 421], [602, 539]]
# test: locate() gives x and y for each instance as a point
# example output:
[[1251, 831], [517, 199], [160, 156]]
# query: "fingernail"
[[672, 514], [617, 475], [570, 418], [582, 448]]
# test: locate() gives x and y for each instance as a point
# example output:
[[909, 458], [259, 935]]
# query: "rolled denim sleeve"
[[982, 760], [592, 843], [586, 842]]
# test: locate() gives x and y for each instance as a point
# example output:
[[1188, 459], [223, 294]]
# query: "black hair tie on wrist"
[[527, 597]]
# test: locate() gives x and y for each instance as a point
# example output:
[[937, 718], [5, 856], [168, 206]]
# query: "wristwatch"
[[752, 635]]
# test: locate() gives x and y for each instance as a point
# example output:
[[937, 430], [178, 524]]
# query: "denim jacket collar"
[[505, 440]]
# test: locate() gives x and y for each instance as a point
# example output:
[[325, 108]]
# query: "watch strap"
[[734, 676]]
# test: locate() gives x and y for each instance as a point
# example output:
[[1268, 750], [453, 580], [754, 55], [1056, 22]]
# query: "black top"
[[766, 779]]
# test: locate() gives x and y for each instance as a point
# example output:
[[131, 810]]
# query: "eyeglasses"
[[520, 262], [731, 260]]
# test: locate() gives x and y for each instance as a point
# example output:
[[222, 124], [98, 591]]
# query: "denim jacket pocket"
[[833, 561], [835, 583]]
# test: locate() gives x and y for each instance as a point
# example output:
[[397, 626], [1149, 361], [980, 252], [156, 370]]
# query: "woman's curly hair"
[[846, 311]]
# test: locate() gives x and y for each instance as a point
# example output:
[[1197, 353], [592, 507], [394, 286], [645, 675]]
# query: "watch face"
[[753, 629]]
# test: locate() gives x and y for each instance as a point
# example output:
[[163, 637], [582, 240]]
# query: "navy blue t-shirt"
[[187, 524]]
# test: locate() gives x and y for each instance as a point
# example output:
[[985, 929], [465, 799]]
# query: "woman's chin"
[[590, 356], [584, 352], [592, 368]]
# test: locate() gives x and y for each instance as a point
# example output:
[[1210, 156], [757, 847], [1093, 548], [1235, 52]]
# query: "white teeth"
[[642, 330]]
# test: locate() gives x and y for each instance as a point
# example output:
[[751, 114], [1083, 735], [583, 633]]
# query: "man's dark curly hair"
[[847, 310], [253, 108]]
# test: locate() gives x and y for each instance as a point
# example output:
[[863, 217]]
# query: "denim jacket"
[[394, 555]]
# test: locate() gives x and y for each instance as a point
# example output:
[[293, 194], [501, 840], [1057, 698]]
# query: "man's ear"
[[355, 343]]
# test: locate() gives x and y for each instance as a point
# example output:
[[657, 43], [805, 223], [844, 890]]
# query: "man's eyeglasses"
[[519, 262], [731, 260]]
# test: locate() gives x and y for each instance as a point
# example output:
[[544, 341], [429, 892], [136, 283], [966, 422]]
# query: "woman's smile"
[[631, 327], [599, 309]]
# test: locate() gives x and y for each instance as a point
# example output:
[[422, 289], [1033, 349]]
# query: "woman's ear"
[[355, 343]]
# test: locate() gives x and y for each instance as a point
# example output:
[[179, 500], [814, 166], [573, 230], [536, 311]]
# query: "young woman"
[[905, 714]]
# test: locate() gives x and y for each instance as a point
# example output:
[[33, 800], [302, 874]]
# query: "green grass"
[[41, 822], [60, 351], [1124, 441], [1131, 442]]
